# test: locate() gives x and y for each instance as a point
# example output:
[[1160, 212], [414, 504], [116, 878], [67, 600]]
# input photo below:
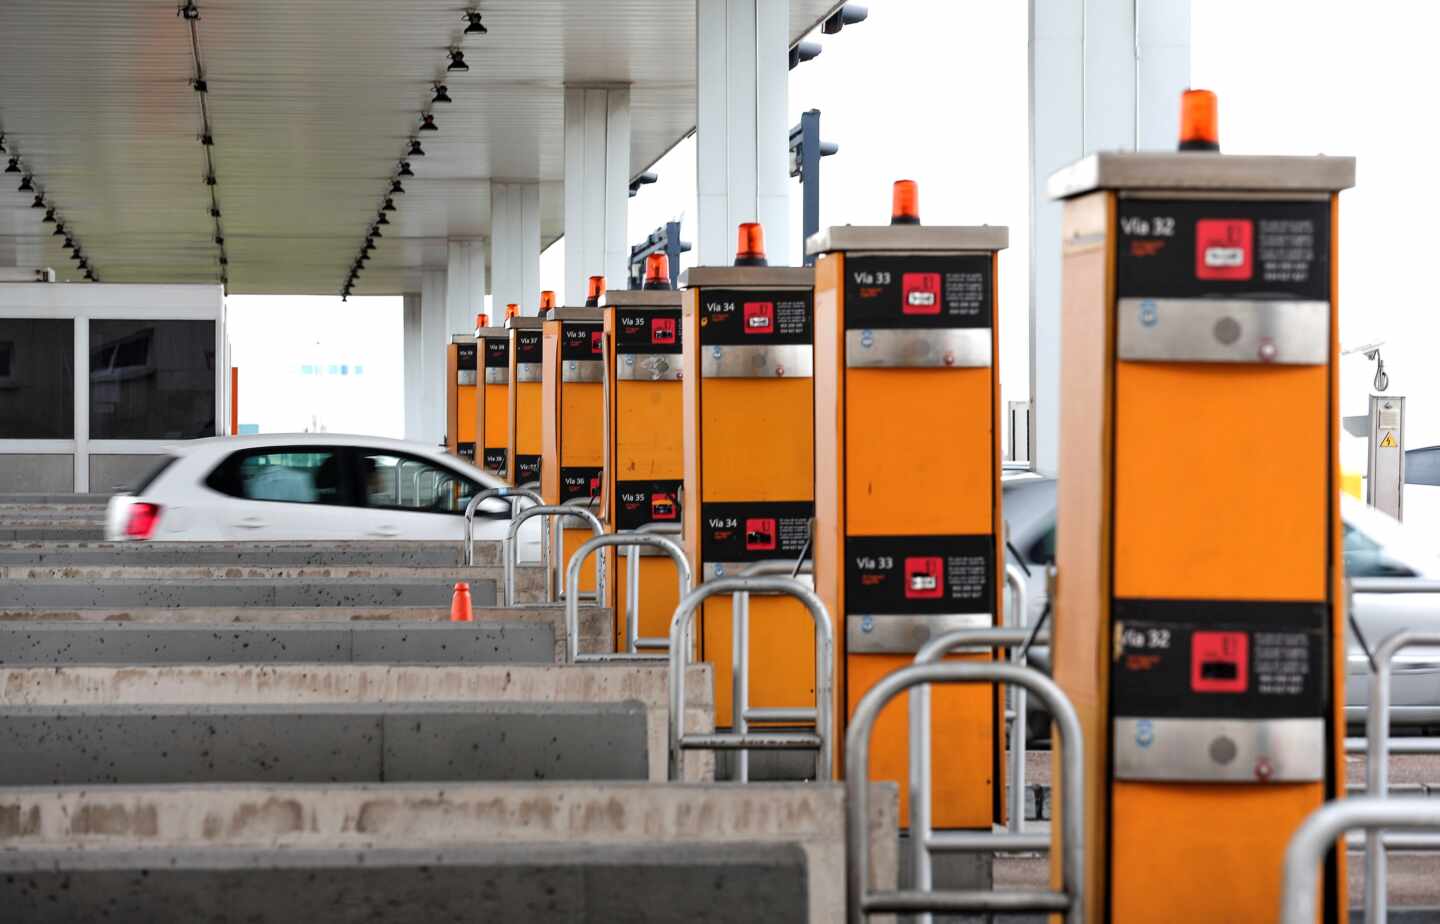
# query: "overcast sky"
[[935, 90]]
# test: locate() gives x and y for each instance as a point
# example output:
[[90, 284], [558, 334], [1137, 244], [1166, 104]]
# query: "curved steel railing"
[[819, 741], [474, 505], [550, 512], [572, 576], [863, 902]]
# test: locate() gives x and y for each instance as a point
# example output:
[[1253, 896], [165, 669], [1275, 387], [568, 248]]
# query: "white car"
[[308, 486]]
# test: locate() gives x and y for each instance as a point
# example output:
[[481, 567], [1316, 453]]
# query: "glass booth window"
[[37, 379], [152, 380]]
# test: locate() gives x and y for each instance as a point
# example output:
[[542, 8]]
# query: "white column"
[[464, 285], [413, 365], [1104, 75], [742, 125], [434, 335], [597, 187], [515, 246]]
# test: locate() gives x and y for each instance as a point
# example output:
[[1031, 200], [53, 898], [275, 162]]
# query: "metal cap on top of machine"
[[1199, 165], [750, 268], [656, 293], [906, 234]]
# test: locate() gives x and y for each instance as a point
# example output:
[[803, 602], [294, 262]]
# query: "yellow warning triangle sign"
[[1388, 442]]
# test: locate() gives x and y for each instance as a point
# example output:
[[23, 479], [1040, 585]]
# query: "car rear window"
[[149, 478]]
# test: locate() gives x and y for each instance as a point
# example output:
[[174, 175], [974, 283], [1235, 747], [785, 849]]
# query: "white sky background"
[[936, 91]]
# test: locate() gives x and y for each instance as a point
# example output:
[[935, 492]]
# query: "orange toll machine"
[[572, 470], [492, 405], [749, 496], [645, 466], [523, 445], [909, 540], [1199, 628], [461, 396]]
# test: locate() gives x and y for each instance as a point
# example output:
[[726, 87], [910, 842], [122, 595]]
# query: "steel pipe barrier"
[[1377, 761], [557, 554], [862, 902], [818, 741], [629, 540], [474, 505], [742, 714], [633, 641], [924, 839], [549, 512], [1319, 832]]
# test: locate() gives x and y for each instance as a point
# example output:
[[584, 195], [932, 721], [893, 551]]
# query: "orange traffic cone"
[[460, 604]]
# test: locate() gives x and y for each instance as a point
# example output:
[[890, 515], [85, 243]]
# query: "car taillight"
[[143, 518]]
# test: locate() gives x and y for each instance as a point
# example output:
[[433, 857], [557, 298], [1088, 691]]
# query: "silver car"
[[1376, 545]]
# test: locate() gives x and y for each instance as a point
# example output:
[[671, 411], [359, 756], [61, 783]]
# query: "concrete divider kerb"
[[810, 815], [295, 684]]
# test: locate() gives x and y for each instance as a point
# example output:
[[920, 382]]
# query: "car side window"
[[295, 475], [1364, 557], [400, 482]]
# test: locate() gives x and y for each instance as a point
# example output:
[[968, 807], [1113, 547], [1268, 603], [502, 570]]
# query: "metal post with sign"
[[1385, 484]]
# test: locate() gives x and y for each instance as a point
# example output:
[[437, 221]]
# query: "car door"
[[405, 496], [282, 493], [1415, 672]]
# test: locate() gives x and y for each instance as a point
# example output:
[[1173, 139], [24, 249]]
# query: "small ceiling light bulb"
[[396, 189], [405, 169], [39, 202], [14, 165], [415, 149], [389, 206], [457, 61], [26, 185], [427, 123], [49, 218], [476, 27], [442, 94]]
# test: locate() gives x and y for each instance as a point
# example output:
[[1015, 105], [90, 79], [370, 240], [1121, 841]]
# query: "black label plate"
[[919, 575], [913, 291], [497, 353], [1195, 248], [495, 459], [582, 341], [465, 451], [1219, 659], [653, 331], [580, 481], [734, 317], [528, 347], [466, 355], [527, 469], [754, 531], [639, 503]]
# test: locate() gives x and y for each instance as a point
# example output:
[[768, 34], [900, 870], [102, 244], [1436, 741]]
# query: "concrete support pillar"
[[597, 187], [1104, 75], [413, 366], [464, 285], [515, 246], [742, 125], [434, 335]]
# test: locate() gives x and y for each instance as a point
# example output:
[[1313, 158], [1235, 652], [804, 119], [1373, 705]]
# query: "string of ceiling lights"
[[190, 13], [403, 169], [29, 185]]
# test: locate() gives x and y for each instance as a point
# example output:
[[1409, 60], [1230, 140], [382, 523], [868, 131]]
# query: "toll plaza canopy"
[[309, 107]]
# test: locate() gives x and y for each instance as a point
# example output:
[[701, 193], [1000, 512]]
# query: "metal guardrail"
[[549, 512], [1320, 831], [680, 652], [474, 505], [556, 590], [1377, 762], [633, 641], [862, 901], [924, 839], [742, 714], [630, 540]]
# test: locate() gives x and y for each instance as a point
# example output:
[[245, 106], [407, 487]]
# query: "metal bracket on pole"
[[664, 239], [806, 149]]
